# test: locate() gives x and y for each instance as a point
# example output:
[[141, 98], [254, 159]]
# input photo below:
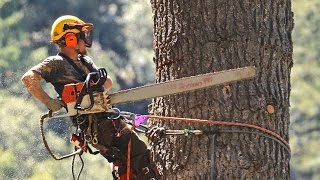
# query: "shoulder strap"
[[87, 64], [70, 61]]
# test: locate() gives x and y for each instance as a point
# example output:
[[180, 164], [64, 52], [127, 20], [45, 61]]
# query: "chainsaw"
[[89, 97]]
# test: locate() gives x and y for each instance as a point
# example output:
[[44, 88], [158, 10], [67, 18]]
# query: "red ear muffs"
[[71, 40]]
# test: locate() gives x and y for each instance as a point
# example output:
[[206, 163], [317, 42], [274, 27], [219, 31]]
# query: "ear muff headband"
[[71, 40]]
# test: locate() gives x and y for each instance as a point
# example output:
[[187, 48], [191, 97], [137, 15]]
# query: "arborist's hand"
[[53, 104], [155, 133]]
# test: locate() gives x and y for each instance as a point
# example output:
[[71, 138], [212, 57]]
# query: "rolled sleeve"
[[45, 69]]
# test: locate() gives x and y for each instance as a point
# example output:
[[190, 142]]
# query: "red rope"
[[129, 160], [211, 122]]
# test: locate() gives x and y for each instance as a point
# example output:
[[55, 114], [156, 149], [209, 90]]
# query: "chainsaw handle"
[[89, 89], [86, 88], [102, 73], [94, 79], [90, 85]]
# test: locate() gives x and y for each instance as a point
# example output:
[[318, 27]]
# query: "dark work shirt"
[[59, 72]]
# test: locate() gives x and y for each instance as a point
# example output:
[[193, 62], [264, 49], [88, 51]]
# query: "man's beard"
[[83, 52]]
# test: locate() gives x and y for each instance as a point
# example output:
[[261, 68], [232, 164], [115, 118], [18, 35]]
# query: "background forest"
[[123, 45]]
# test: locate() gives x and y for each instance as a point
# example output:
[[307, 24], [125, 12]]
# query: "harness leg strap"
[[141, 165]]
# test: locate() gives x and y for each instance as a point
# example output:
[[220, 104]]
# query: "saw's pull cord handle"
[[43, 117]]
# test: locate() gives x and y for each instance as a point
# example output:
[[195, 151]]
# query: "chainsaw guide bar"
[[182, 85]]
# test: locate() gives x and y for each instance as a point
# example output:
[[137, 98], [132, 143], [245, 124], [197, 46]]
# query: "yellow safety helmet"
[[69, 24]]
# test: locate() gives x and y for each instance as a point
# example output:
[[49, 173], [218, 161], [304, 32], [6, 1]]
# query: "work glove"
[[53, 104], [155, 133]]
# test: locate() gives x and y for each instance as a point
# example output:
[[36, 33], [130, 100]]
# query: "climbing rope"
[[43, 117], [81, 169], [76, 152], [263, 131]]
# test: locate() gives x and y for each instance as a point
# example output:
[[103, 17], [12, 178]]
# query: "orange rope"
[[225, 124]]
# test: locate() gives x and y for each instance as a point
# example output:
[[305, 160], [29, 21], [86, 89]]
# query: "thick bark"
[[199, 36]]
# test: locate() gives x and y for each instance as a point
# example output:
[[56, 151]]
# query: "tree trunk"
[[200, 36]]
